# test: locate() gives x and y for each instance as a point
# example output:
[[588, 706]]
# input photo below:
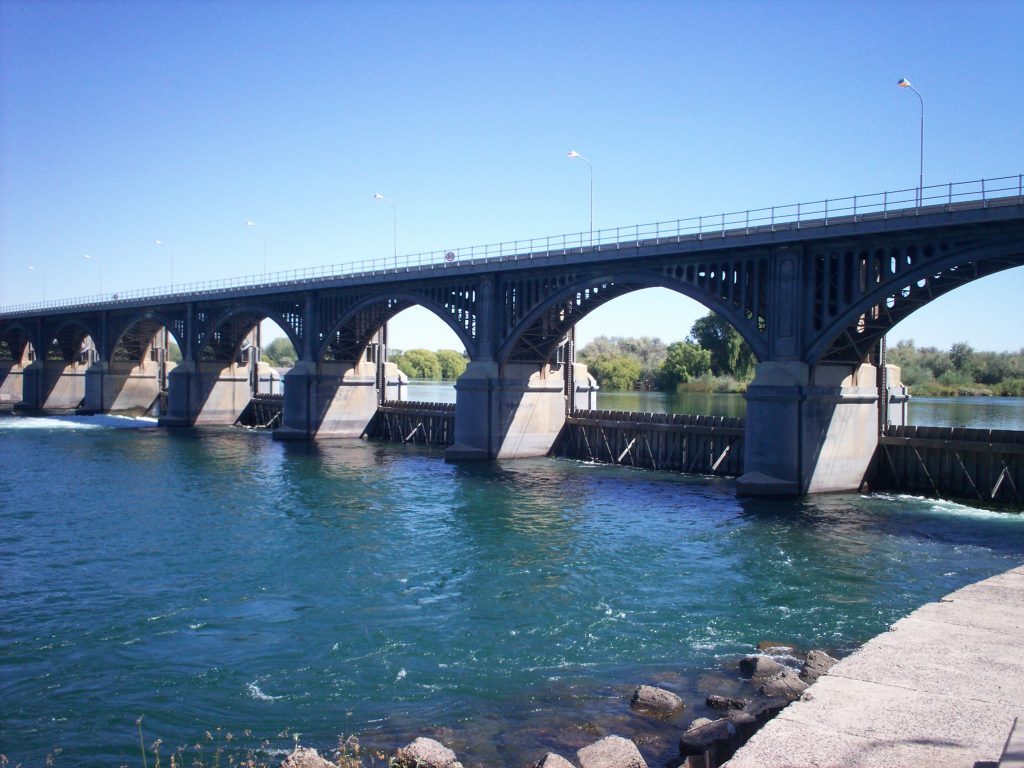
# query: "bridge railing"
[[911, 201]]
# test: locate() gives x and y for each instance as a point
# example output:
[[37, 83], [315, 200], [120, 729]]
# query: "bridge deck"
[[941, 688]]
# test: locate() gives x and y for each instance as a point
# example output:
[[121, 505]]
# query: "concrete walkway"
[[941, 688]]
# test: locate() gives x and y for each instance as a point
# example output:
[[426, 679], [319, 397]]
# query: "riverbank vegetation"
[[960, 371]]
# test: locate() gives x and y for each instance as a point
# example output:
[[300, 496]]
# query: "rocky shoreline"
[[772, 677]]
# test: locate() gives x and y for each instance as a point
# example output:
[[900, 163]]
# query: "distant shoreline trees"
[[962, 370]]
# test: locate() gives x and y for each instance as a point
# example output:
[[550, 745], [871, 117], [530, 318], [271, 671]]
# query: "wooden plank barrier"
[[408, 421], [706, 445], [985, 465]]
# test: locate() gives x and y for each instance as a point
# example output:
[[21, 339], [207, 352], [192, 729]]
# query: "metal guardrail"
[[911, 201]]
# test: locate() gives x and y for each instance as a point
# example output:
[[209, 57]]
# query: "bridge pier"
[[512, 411], [53, 385], [121, 386], [12, 384], [208, 393], [334, 399], [812, 429]]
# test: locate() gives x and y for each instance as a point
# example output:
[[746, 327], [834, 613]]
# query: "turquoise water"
[[215, 578]]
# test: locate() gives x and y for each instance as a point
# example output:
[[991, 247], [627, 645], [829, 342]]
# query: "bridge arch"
[[348, 337], [130, 339], [899, 280], [16, 342], [64, 342], [535, 337], [222, 338]]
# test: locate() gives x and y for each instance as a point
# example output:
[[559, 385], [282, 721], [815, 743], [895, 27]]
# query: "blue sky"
[[123, 123]]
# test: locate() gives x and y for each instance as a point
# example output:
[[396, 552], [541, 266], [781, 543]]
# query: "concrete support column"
[[585, 397], [333, 399], [12, 383], [122, 387], [208, 393], [508, 412], [53, 386], [809, 430]]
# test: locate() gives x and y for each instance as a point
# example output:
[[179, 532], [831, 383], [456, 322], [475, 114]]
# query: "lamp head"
[[573, 154], [903, 83], [378, 196]]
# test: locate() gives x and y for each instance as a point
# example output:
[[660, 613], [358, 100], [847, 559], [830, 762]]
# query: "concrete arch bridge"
[[813, 288]]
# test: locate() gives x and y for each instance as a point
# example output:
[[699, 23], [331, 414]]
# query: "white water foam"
[[99, 421], [259, 695]]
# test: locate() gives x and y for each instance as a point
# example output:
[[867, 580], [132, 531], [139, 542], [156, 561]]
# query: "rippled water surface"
[[216, 578]]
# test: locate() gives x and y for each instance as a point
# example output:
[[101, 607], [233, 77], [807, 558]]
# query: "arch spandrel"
[[900, 280], [128, 324], [220, 337], [537, 317], [347, 337]]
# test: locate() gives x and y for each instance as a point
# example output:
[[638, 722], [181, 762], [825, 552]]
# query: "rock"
[[776, 649], [551, 760], [426, 753], [787, 684], [304, 757], [611, 752], [704, 735], [818, 663], [760, 666], [656, 700], [716, 701]]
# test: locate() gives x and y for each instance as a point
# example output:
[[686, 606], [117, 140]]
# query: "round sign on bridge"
[[449, 257]]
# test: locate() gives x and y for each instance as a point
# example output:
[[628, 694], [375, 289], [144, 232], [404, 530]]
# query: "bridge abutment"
[[512, 411], [812, 429], [334, 399], [12, 383]]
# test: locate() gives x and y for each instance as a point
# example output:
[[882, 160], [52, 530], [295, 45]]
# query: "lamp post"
[[394, 212], [904, 83], [254, 225], [170, 250], [42, 277], [574, 155], [99, 266]]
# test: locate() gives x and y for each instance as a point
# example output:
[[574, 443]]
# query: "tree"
[[648, 352], [615, 372], [173, 352], [452, 363], [280, 353], [730, 354], [684, 361], [418, 364]]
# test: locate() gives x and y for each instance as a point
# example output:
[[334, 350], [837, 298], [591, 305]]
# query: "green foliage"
[[684, 362], [645, 351], [618, 372], [173, 352], [730, 354], [960, 371], [280, 353], [418, 363], [452, 363]]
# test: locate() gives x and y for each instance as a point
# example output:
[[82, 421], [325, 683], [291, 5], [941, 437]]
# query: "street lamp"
[[904, 83], [394, 212], [161, 243], [99, 266], [574, 155], [254, 225]]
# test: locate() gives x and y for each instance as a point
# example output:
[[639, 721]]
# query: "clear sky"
[[123, 123]]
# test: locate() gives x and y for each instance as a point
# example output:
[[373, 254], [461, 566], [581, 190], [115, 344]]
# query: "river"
[[214, 578]]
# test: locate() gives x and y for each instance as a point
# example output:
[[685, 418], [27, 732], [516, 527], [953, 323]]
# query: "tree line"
[[713, 356], [961, 370], [414, 363]]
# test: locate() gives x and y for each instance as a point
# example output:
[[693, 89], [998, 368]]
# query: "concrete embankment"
[[941, 688]]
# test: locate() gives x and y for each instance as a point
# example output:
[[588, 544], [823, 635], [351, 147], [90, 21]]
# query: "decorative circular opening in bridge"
[[655, 350]]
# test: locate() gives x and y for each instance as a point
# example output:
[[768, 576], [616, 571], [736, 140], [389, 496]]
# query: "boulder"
[[551, 760], [786, 684], [760, 666], [817, 664], [611, 752], [704, 735], [717, 701], [426, 753], [304, 757], [656, 700]]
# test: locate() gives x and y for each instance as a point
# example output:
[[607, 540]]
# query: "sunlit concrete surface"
[[941, 688]]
